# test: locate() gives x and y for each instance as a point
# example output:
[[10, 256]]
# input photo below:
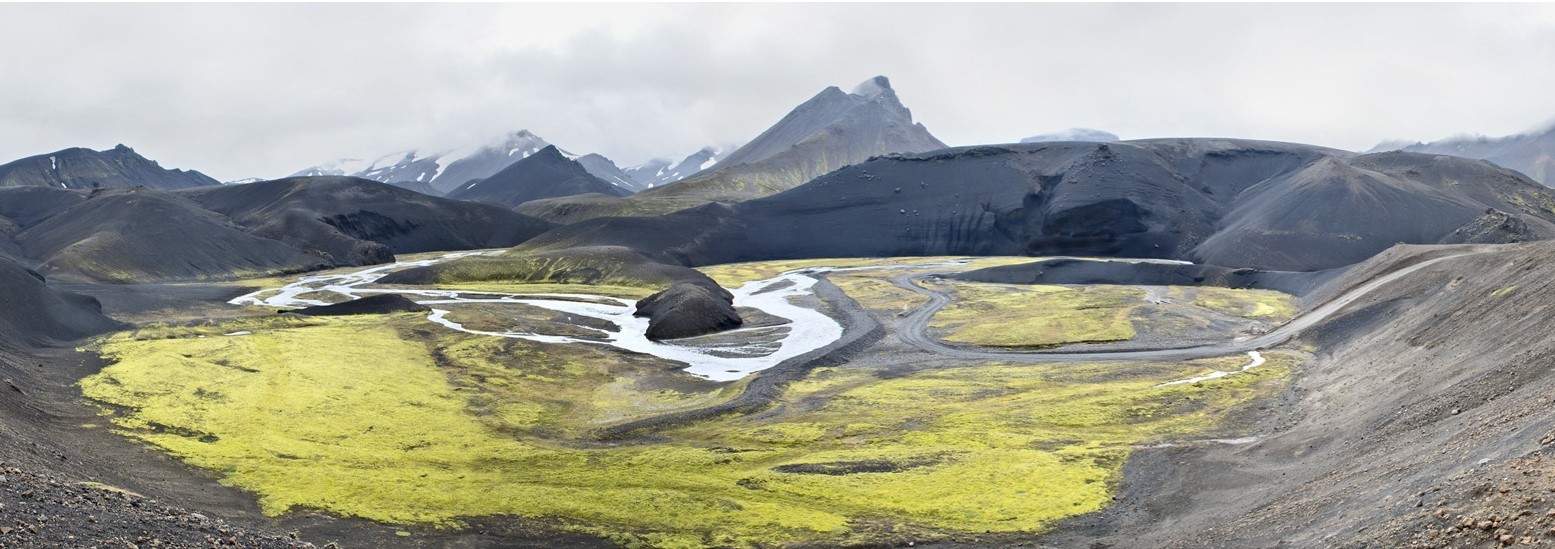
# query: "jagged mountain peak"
[[873, 87]]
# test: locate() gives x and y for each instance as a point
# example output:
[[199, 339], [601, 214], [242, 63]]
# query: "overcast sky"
[[264, 90]]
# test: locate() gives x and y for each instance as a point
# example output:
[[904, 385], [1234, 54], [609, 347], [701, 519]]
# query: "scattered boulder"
[[370, 305], [686, 310]]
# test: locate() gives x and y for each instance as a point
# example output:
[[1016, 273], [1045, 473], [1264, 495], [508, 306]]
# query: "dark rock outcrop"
[[370, 305], [686, 310]]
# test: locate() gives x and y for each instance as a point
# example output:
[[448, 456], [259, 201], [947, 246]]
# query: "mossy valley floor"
[[396, 419]]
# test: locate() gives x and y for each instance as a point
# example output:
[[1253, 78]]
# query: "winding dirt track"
[[914, 327]]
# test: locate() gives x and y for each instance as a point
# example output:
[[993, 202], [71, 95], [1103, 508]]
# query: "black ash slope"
[[34, 313], [137, 234]]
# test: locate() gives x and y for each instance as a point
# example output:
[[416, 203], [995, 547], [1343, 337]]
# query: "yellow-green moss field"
[[396, 420], [1036, 316]]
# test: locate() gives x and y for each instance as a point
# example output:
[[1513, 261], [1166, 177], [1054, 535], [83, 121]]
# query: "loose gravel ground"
[[43, 510]]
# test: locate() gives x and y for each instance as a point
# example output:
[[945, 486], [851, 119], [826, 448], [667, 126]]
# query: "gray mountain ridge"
[[1532, 153], [81, 168]]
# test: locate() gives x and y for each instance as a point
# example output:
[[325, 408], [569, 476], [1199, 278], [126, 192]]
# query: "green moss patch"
[[1009, 315], [1255, 304]]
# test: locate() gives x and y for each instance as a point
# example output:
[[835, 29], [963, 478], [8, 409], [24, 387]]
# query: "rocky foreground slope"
[[53, 511], [1425, 420]]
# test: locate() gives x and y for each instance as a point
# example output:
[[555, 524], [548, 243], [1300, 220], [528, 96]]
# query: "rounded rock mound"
[[370, 305], [688, 309]]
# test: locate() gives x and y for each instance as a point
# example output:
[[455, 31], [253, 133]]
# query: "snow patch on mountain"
[[663, 171], [442, 169]]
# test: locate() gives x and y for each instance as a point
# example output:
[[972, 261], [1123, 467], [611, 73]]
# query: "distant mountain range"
[[1231, 203], [443, 172], [440, 171], [829, 131], [1532, 153], [79, 168], [663, 171]]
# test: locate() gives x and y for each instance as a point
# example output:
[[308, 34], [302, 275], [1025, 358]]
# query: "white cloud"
[[240, 90]]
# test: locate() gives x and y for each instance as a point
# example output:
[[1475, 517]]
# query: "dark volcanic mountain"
[[127, 235], [831, 130], [351, 221], [1272, 206], [544, 174], [80, 168], [1531, 153], [142, 235]]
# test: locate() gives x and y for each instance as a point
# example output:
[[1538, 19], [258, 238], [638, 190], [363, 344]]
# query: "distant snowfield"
[[807, 329]]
